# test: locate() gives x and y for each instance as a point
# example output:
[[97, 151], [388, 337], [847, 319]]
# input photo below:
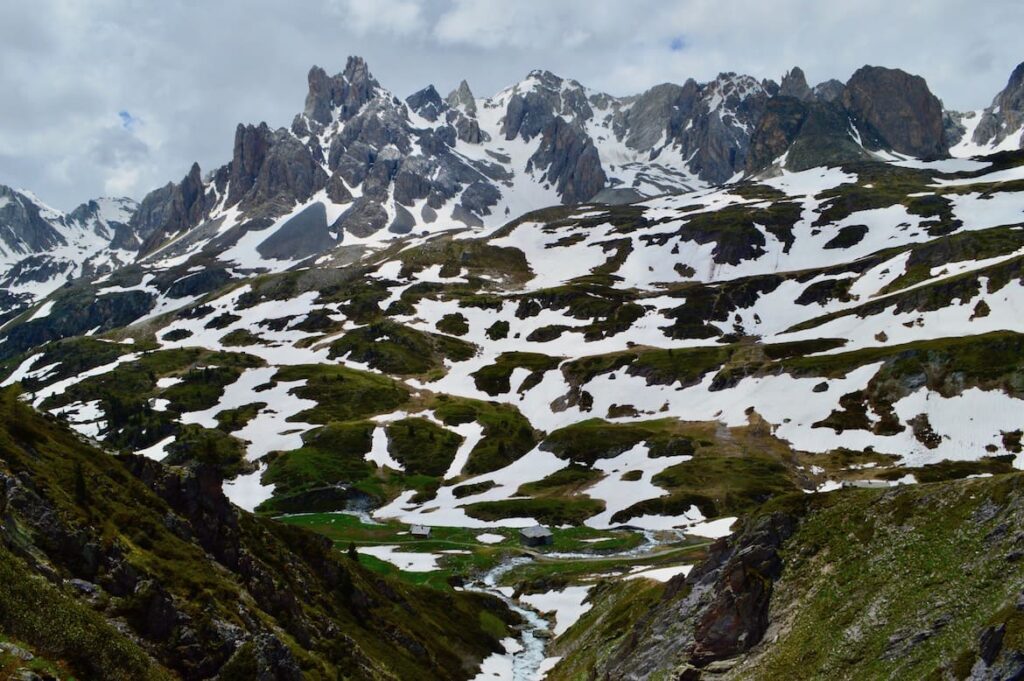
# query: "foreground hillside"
[[120, 568]]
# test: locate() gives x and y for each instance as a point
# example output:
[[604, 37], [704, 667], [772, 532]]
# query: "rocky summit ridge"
[[379, 166]]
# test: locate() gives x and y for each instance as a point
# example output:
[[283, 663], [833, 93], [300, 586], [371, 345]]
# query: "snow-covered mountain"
[[42, 248], [359, 166], [999, 127]]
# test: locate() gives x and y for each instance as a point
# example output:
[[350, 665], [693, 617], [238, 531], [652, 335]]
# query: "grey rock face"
[[250, 151], [403, 222], [427, 103], [718, 138], [480, 197], [365, 217], [528, 114], [829, 90], [288, 172], [468, 130], [304, 235], [171, 209], [663, 107], [794, 84], [343, 94], [953, 128], [462, 97], [1006, 114], [571, 160], [22, 228], [898, 109], [272, 165]]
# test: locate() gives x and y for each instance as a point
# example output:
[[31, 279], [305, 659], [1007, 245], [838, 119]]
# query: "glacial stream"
[[524, 659]]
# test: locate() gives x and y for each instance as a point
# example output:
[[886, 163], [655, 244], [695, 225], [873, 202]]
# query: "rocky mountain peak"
[[729, 89], [1005, 117], [341, 95], [829, 90], [23, 228], [544, 78], [1012, 96], [898, 110], [462, 97], [427, 103], [794, 84]]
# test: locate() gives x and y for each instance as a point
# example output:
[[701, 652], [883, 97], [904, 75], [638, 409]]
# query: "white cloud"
[[396, 17], [191, 71]]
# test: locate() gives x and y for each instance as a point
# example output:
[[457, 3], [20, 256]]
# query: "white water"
[[527, 660]]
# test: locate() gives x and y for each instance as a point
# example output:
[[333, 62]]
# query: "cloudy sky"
[[116, 97]]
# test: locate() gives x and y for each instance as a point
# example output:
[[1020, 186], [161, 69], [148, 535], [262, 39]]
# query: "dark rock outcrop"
[[427, 103], [22, 228], [343, 94], [172, 209], [363, 219], [716, 137], [794, 84], [665, 107], [811, 133], [571, 162], [272, 167], [898, 110], [301, 236], [719, 611], [462, 97]]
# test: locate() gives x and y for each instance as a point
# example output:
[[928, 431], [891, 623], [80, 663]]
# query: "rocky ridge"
[[42, 248]]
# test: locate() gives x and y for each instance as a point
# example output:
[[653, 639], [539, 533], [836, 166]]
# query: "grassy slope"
[[868, 568], [378, 627], [876, 584]]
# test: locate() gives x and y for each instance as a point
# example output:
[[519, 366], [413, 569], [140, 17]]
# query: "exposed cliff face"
[[22, 229], [877, 109], [809, 133], [170, 210], [572, 162], [718, 612], [898, 109]]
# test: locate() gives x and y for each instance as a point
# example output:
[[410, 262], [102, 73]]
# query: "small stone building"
[[865, 484], [420, 531], [538, 535]]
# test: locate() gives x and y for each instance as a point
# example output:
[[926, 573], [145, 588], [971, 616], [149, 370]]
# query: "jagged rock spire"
[[462, 97], [346, 92], [794, 84]]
